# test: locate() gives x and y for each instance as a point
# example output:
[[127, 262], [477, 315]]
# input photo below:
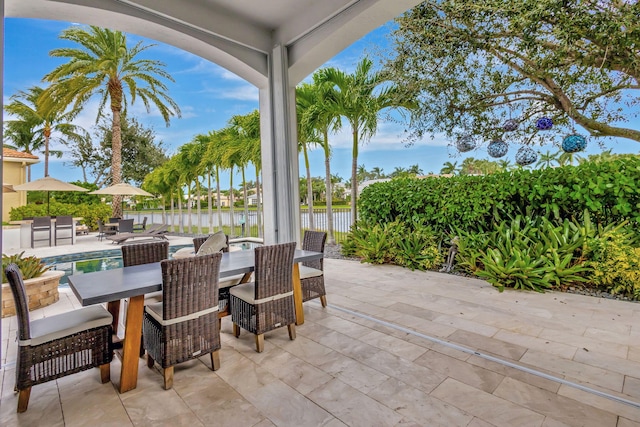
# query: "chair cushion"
[[308, 272], [215, 243], [65, 324], [153, 297], [246, 292], [225, 282], [155, 310], [184, 253]]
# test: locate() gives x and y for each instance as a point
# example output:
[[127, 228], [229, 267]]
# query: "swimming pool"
[[87, 262]]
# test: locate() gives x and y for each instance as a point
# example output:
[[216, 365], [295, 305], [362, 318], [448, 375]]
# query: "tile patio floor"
[[381, 369]]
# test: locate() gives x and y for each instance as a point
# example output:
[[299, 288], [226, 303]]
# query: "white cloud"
[[241, 93]]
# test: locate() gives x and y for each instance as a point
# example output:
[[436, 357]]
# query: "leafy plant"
[[30, 266]]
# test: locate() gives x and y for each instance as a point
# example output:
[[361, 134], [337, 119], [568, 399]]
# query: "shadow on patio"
[[394, 347]]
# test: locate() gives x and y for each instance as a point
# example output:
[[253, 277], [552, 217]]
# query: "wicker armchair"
[[184, 325], [59, 345], [137, 254], [312, 272], [267, 303]]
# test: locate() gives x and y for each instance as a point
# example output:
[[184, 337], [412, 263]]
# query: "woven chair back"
[[273, 268], [42, 222], [64, 221], [14, 277], [144, 253], [189, 285], [314, 241]]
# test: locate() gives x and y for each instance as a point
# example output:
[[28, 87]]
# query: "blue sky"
[[209, 95]]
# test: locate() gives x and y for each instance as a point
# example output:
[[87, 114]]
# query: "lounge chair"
[[156, 232]]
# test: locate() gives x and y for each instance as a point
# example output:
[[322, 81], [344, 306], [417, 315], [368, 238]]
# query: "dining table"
[[110, 286]]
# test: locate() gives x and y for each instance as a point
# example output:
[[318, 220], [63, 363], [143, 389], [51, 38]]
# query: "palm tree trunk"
[[46, 155], [328, 190], [219, 198], [312, 225], [246, 205], [258, 204], [173, 214], [180, 218], [354, 175], [199, 206], [209, 202], [189, 219], [116, 158], [233, 223]]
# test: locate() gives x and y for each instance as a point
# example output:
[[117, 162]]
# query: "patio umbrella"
[[7, 188], [122, 189], [48, 184]]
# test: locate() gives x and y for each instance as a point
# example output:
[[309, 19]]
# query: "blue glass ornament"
[[574, 143], [465, 143], [497, 148], [525, 156], [544, 123], [510, 125]]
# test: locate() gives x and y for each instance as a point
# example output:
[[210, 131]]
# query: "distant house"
[[14, 169]]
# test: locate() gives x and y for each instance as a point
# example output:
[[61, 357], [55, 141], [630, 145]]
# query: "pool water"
[[88, 262]]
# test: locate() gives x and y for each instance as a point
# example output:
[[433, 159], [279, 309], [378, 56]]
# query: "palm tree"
[[547, 159], [104, 65], [41, 122], [505, 165], [361, 97], [321, 115], [449, 168], [568, 158]]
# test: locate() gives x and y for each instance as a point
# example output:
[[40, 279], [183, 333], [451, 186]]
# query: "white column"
[[1, 127], [279, 153]]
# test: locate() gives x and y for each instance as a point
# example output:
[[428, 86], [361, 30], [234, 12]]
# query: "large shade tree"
[[360, 97], [474, 65], [103, 65]]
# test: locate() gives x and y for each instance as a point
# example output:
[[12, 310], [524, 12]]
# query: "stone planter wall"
[[41, 291]]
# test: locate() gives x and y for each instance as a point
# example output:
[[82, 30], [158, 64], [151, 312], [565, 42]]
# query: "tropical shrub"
[[615, 263], [89, 212], [30, 266], [410, 245]]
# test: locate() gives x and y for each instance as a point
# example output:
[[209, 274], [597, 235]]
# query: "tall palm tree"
[[213, 158], [547, 159], [319, 113], [361, 97], [568, 158], [104, 65], [42, 121], [449, 168]]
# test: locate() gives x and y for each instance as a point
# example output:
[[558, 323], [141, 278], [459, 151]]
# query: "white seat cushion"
[[308, 272], [226, 282], [153, 297], [155, 311], [184, 253], [246, 292], [65, 324], [215, 243]]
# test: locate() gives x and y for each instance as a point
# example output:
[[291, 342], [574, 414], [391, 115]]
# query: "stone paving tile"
[[560, 408], [538, 344], [582, 342], [492, 345], [604, 361], [599, 402], [520, 375], [486, 406]]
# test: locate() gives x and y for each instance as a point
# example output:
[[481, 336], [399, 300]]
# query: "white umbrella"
[[7, 188], [122, 189], [48, 184]]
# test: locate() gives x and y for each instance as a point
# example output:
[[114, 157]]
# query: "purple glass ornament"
[[510, 125], [544, 123], [465, 143]]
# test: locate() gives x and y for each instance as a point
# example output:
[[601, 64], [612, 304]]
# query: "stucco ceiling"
[[236, 34]]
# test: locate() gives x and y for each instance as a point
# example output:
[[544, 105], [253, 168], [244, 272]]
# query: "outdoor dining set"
[[174, 308]]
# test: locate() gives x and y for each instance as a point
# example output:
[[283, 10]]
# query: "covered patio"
[[393, 348]]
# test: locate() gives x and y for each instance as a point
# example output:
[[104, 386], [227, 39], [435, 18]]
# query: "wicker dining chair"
[[312, 272], [184, 325], [199, 240], [143, 253], [59, 345], [267, 303]]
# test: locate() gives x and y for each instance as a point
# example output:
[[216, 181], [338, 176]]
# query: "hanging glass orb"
[[544, 123], [510, 125], [497, 148], [465, 143], [574, 143], [525, 156]]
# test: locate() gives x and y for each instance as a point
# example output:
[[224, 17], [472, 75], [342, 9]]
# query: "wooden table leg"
[[114, 308], [131, 350], [297, 294]]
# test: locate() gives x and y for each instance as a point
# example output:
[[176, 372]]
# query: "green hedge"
[[89, 212], [607, 190]]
